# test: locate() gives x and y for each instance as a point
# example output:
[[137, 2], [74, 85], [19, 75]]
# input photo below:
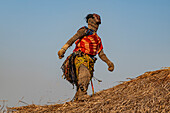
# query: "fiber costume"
[[79, 66]]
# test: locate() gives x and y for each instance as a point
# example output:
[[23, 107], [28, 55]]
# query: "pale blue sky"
[[135, 35]]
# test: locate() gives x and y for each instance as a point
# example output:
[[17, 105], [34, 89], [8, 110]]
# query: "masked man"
[[79, 66]]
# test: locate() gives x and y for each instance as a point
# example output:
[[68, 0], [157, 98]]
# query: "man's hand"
[[61, 53], [110, 66]]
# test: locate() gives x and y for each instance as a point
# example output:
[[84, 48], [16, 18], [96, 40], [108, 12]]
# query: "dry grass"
[[148, 93]]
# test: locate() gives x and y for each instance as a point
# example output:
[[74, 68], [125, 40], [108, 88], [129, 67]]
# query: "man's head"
[[93, 20], [95, 17]]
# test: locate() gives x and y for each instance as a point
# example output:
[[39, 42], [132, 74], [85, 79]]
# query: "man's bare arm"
[[80, 33], [104, 58]]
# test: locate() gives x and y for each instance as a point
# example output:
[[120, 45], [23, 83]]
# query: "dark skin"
[[80, 33]]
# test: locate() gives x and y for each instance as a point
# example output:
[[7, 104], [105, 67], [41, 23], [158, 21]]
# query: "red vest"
[[90, 44]]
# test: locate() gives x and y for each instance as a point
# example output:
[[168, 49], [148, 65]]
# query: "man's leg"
[[84, 78]]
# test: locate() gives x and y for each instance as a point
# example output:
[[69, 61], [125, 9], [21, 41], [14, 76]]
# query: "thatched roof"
[[147, 93]]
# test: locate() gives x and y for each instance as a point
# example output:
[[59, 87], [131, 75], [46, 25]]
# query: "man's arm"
[[80, 33], [104, 58]]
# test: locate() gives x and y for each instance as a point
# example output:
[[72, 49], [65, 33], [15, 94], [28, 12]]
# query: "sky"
[[135, 35]]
